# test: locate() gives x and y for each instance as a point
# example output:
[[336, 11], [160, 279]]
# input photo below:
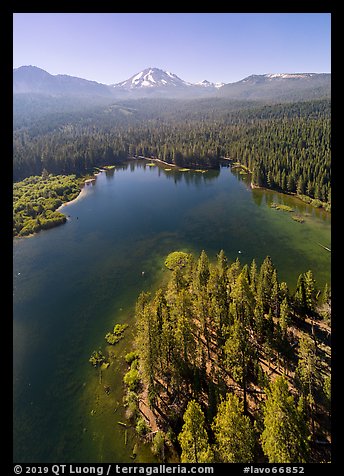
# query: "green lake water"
[[74, 282]]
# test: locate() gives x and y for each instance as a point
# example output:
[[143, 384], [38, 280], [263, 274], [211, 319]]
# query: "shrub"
[[158, 444], [119, 328], [116, 335], [134, 364], [130, 356], [97, 358], [141, 427], [132, 379], [112, 338], [130, 401]]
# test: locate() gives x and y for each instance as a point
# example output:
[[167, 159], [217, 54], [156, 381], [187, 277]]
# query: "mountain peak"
[[207, 84], [151, 78]]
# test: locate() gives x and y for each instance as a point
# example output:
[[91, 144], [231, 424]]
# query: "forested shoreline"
[[286, 146], [233, 366], [228, 364]]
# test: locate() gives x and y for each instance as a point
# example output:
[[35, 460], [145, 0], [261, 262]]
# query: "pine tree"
[[145, 340], [300, 295], [218, 304], [239, 354], [222, 263], [265, 283], [307, 373], [242, 297], [185, 344], [310, 292], [253, 276], [300, 187], [193, 438], [307, 365], [285, 435], [202, 271], [259, 322], [234, 434], [284, 317], [327, 393], [275, 295]]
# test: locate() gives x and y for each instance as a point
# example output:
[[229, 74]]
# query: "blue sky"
[[111, 47]]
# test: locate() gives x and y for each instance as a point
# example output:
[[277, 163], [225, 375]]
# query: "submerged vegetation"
[[284, 208], [36, 198], [116, 335], [298, 218], [230, 366], [97, 358]]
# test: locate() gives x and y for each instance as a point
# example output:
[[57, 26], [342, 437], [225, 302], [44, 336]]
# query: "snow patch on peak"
[[150, 78], [288, 75], [146, 83], [137, 77]]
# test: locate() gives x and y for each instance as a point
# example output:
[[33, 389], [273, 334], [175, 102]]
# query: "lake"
[[74, 282]]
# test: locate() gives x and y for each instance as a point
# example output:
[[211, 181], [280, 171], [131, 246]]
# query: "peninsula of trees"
[[36, 199], [233, 365]]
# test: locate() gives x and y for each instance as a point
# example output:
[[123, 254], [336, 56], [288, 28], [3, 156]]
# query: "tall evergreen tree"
[[193, 438], [234, 434], [308, 374], [285, 438], [240, 355], [266, 283], [202, 270]]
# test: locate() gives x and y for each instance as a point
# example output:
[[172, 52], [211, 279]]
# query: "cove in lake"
[[74, 282]]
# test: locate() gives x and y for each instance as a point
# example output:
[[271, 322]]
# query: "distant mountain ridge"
[[154, 82], [280, 86], [30, 79]]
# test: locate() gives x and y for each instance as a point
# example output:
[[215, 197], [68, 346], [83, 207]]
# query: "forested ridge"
[[285, 146], [234, 366]]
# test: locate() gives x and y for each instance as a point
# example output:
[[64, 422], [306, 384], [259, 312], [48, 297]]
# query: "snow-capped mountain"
[[208, 84], [152, 78], [154, 82], [157, 82]]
